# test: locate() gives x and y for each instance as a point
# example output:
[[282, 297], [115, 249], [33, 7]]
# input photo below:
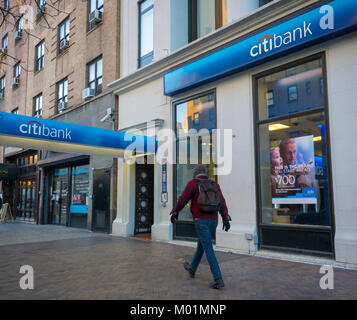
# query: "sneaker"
[[217, 284], [187, 267]]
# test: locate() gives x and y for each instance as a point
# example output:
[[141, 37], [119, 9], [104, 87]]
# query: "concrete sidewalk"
[[77, 264], [24, 232]]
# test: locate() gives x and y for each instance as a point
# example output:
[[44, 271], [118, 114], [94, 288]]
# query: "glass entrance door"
[[60, 196]]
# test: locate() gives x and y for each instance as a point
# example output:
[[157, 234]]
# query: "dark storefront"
[[21, 189]]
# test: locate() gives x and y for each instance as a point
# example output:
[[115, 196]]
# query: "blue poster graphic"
[[293, 171]]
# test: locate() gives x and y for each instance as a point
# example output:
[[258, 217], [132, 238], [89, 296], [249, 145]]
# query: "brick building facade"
[[57, 50]]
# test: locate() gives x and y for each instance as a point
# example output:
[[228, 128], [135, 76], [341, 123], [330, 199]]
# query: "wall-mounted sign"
[[164, 195], [24, 131], [314, 26]]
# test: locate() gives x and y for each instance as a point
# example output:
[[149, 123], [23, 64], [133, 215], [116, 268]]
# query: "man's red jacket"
[[191, 193]]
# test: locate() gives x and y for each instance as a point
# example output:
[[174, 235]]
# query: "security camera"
[[105, 118], [110, 113]]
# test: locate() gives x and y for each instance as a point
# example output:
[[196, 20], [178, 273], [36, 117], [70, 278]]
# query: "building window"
[[63, 33], [292, 156], [19, 25], [2, 87], [6, 7], [270, 98], [17, 70], [292, 93], [196, 118], [41, 4], [146, 32], [40, 55], [4, 42], [62, 93], [194, 125], [205, 16], [96, 8], [264, 2], [193, 19], [37, 106], [41, 8], [17, 73], [95, 75], [15, 111]]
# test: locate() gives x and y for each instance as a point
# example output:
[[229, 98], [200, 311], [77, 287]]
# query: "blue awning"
[[36, 133]]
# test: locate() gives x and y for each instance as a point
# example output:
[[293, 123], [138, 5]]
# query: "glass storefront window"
[[292, 149], [80, 187], [195, 120], [201, 109], [290, 91]]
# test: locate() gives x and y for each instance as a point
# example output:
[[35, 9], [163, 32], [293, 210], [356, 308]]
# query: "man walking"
[[205, 203]]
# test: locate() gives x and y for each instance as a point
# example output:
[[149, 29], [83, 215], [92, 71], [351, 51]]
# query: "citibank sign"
[[35, 128], [315, 25], [268, 42]]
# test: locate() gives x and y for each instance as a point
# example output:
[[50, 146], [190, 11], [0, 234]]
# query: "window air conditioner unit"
[[3, 51], [18, 35], [96, 16], [61, 106], [88, 93], [16, 81], [64, 44]]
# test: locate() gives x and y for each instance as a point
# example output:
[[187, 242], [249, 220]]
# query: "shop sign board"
[[322, 23], [24, 131]]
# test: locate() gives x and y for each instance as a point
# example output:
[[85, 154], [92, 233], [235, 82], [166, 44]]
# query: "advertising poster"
[[293, 171], [80, 187]]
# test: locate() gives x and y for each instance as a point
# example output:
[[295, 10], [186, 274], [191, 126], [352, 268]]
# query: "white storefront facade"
[[305, 94]]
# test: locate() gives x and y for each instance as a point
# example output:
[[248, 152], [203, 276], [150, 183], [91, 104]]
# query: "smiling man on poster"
[[294, 179]]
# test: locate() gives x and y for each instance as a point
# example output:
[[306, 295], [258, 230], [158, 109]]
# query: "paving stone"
[[77, 264]]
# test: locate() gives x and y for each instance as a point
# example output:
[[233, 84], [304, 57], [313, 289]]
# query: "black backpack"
[[209, 198]]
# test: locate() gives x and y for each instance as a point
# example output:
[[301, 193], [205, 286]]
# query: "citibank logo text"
[[269, 42], [37, 129]]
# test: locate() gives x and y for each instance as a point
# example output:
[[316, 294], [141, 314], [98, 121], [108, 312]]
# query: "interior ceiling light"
[[319, 138], [277, 126]]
